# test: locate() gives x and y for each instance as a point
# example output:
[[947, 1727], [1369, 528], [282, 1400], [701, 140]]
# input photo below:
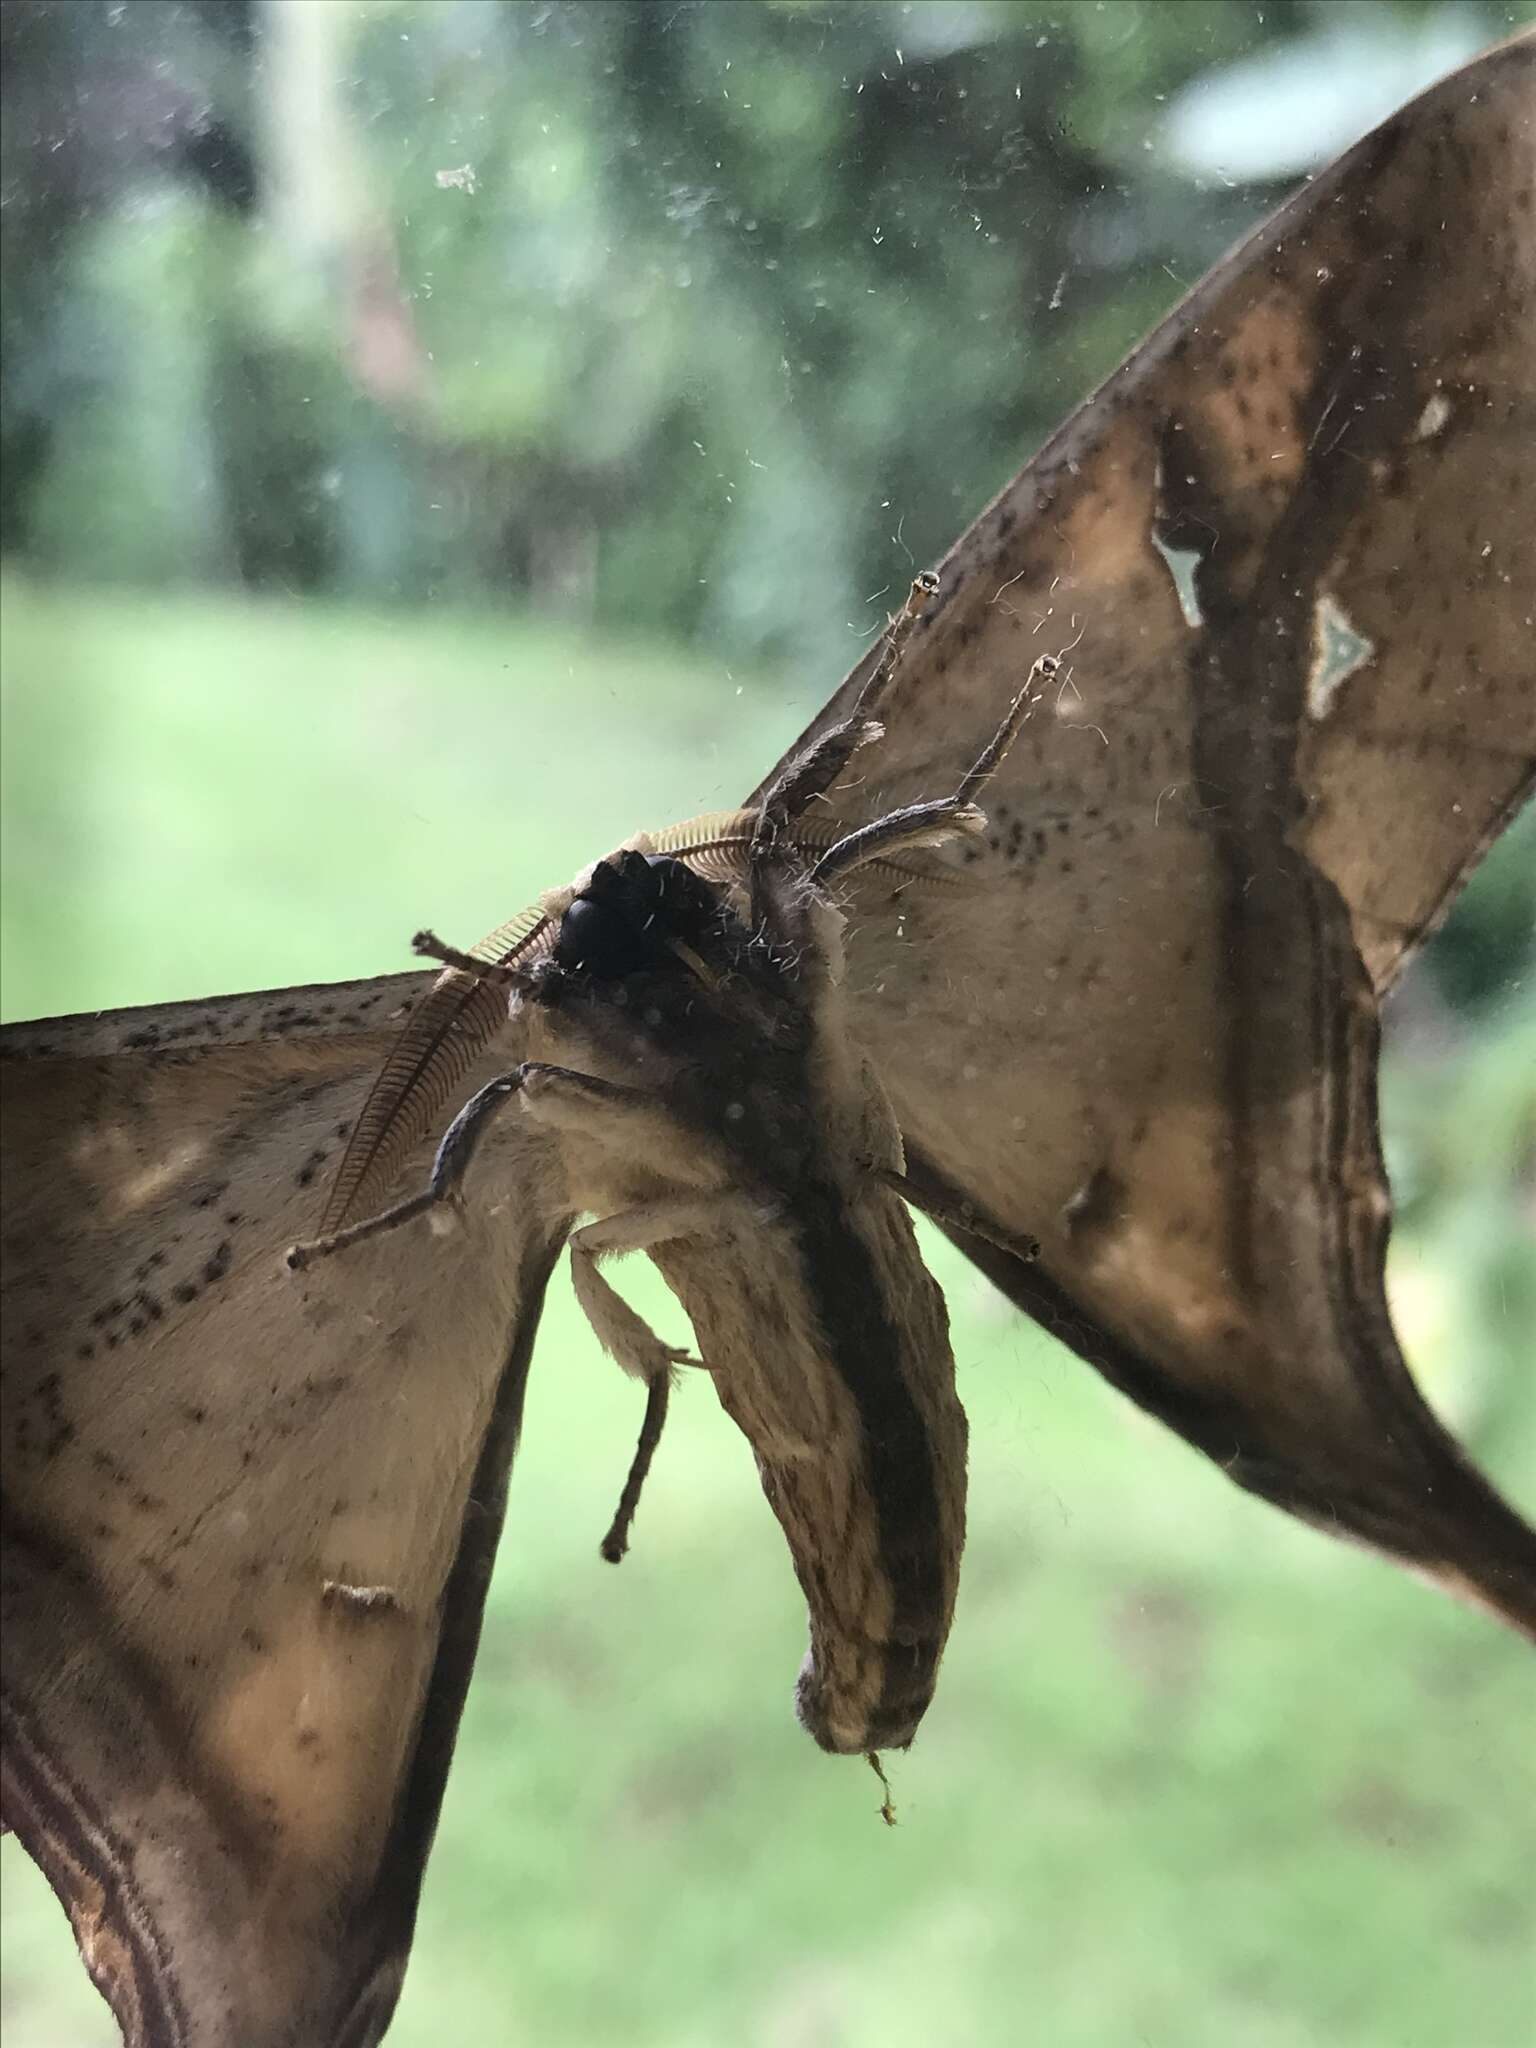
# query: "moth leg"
[[628, 1340], [449, 1167], [810, 773], [957, 1215], [608, 1111], [929, 824], [565, 1095], [720, 1212], [924, 585], [626, 1337], [1046, 667], [615, 1544], [634, 1345]]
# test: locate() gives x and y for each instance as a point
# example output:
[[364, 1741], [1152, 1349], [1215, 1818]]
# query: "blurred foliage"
[[592, 371], [698, 319]]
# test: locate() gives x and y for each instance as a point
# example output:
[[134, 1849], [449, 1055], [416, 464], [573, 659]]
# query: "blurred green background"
[[437, 439]]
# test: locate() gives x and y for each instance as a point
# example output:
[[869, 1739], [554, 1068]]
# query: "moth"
[[1285, 558], [720, 1118]]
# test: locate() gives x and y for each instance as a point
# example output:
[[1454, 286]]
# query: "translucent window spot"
[[1182, 564], [1434, 416], [1337, 651]]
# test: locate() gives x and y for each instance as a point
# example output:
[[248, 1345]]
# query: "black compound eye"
[[631, 907], [600, 939]]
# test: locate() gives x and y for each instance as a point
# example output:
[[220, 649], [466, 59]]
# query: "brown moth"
[[719, 1117], [1291, 547]]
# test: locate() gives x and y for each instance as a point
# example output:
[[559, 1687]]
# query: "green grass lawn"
[[1195, 1777]]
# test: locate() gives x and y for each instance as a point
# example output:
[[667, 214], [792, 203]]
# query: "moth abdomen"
[[831, 1352], [882, 1707]]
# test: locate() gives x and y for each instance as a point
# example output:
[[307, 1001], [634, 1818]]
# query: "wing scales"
[[1202, 865], [229, 1774]]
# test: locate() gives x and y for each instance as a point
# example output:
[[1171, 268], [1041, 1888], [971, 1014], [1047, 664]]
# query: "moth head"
[[661, 979], [634, 913]]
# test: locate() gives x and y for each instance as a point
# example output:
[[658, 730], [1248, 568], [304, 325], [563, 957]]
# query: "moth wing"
[[1286, 554], [250, 1515]]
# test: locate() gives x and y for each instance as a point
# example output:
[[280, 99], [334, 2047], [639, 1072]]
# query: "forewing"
[[249, 1514], [1288, 554]]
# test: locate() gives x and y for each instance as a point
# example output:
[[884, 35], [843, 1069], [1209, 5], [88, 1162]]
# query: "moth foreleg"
[[993, 754], [812, 772], [925, 584], [449, 1167], [586, 1103], [925, 824], [804, 778], [931, 823]]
